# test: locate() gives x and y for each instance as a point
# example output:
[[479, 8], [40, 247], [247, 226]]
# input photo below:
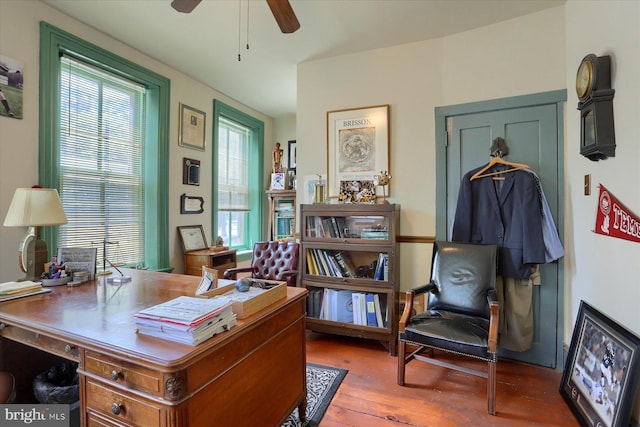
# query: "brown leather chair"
[[461, 314], [271, 261]]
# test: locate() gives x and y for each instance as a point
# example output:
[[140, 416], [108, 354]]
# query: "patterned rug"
[[322, 384]]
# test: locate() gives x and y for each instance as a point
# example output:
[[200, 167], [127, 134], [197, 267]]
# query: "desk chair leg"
[[491, 388], [401, 361]]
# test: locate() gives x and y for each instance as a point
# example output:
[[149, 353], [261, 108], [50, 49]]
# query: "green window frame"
[[55, 42], [255, 221]]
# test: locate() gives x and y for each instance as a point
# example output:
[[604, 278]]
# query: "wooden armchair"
[[271, 261], [461, 314]]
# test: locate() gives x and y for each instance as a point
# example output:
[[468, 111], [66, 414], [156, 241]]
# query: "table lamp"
[[34, 207]]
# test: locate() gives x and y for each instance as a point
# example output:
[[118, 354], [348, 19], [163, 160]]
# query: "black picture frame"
[[191, 204], [291, 156], [601, 376], [190, 171]]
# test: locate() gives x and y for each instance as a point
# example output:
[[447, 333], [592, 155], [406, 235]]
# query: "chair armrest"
[[408, 302], [288, 273], [232, 273], [494, 319]]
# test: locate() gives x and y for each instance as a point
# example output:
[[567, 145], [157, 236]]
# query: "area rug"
[[322, 384]]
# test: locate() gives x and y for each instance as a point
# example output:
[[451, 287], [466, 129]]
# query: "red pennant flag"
[[613, 219]]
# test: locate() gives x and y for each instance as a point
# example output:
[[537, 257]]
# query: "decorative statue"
[[277, 158], [219, 242], [382, 180]]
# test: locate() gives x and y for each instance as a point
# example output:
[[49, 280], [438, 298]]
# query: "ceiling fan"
[[281, 9]]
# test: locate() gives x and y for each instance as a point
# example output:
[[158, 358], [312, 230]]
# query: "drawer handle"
[[68, 348], [115, 375], [116, 408]]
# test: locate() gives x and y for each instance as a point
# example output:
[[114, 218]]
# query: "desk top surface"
[[99, 315]]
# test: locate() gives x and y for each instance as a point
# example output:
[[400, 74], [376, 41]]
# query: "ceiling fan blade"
[[185, 6], [284, 14]]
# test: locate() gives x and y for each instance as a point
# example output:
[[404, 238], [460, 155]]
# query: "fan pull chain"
[[247, 24], [239, 27]]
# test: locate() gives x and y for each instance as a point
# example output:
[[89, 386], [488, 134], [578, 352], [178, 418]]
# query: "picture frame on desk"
[[600, 378], [192, 238], [357, 145]]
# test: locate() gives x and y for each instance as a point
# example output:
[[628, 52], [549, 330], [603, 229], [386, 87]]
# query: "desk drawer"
[[121, 407], [42, 342], [118, 371]]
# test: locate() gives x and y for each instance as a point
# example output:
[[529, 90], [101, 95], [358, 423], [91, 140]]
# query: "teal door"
[[530, 126]]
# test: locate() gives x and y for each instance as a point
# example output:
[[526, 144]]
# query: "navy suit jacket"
[[506, 213]]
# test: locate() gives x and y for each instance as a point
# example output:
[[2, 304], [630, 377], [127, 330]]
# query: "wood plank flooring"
[[370, 396]]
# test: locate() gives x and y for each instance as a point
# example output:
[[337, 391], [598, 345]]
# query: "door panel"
[[531, 135]]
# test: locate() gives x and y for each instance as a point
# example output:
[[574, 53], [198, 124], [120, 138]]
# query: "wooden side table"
[[221, 261]]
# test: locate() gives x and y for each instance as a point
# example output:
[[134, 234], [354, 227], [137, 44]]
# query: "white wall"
[[19, 39], [536, 53], [414, 79]]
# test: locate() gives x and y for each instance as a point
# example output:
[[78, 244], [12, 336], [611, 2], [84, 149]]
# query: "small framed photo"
[[601, 375], [278, 181], [291, 156], [192, 126], [190, 171], [192, 238]]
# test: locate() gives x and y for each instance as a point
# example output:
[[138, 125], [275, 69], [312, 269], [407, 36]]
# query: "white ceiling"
[[205, 43]]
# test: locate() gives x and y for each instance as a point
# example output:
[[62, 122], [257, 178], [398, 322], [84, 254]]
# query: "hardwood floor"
[[370, 396]]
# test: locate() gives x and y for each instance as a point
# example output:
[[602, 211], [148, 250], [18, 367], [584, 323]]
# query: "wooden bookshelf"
[[349, 249]]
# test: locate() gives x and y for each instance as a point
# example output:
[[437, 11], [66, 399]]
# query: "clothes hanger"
[[500, 161], [498, 149]]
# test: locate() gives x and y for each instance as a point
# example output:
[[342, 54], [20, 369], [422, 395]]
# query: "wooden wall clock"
[[593, 87]]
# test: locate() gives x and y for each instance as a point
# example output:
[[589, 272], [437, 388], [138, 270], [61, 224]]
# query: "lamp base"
[[37, 257]]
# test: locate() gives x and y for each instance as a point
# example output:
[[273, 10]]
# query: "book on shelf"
[[376, 303], [359, 308], [381, 264], [371, 310]]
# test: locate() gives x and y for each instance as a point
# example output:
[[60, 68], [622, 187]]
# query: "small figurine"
[[219, 242], [277, 158], [382, 180]]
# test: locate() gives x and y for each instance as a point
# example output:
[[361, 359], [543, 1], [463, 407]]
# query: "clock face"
[[585, 76]]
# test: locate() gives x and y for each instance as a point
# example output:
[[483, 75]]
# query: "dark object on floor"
[[462, 313], [57, 385]]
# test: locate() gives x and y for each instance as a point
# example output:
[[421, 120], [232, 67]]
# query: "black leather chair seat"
[[450, 331]]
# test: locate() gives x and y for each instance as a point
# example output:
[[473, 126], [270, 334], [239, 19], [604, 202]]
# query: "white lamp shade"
[[35, 207]]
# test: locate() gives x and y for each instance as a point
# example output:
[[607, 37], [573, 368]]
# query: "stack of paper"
[[188, 320], [11, 290]]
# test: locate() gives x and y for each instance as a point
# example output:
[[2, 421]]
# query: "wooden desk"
[[253, 374], [221, 261]]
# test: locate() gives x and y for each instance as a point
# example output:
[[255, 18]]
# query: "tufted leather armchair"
[[271, 261], [461, 316]]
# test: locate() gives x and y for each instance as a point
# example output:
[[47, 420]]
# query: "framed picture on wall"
[[291, 156], [192, 127], [601, 375], [357, 145]]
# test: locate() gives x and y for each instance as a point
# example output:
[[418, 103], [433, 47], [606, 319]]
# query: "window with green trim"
[[238, 196], [104, 125]]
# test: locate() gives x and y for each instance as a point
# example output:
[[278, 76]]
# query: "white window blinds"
[[233, 166], [101, 161]]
